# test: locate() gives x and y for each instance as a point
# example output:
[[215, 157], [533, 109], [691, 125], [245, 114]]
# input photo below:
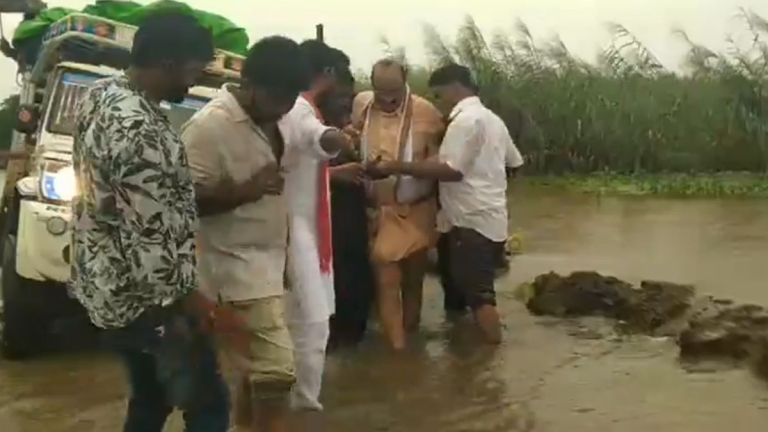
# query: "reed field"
[[624, 118]]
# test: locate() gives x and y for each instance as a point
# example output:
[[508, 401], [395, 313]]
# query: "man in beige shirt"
[[234, 151], [396, 125]]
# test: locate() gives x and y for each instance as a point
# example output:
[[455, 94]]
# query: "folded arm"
[[215, 191], [225, 196]]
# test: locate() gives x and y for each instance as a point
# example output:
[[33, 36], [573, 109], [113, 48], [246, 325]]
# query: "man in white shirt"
[[234, 152], [310, 298], [471, 170]]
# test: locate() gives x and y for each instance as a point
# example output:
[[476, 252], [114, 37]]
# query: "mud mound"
[[580, 294], [658, 304], [592, 294], [733, 332], [704, 327]]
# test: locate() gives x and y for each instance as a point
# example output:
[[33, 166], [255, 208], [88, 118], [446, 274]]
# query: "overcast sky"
[[358, 26]]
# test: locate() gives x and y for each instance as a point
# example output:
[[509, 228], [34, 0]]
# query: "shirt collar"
[[464, 104], [231, 104]]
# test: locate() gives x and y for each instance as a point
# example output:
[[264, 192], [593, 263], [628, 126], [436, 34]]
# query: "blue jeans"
[[170, 365]]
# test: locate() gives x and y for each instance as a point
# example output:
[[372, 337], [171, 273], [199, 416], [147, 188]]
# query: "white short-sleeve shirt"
[[477, 143]]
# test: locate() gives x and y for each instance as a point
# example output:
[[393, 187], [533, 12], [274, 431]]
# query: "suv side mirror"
[[27, 119]]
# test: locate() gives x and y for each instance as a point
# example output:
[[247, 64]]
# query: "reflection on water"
[[721, 246], [548, 375]]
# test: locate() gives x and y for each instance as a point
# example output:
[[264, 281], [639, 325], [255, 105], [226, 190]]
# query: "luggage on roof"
[[226, 35]]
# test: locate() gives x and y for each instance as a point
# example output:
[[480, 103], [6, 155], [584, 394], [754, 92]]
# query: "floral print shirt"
[[135, 216]]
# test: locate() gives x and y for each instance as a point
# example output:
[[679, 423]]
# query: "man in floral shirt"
[[134, 224]]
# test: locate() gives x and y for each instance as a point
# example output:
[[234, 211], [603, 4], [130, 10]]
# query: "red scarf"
[[325, 239]]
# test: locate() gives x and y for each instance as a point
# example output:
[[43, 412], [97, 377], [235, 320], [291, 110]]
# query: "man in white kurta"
[[310, 296]]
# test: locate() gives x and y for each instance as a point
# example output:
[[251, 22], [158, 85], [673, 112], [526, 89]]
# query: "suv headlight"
[[57, 181]]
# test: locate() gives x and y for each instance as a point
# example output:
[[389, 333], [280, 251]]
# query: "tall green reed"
[[625, 112]]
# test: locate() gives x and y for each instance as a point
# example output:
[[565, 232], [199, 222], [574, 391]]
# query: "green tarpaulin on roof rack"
[[226, 35]]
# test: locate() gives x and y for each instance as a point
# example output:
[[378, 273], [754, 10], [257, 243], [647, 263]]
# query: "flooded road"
[[549, 375]]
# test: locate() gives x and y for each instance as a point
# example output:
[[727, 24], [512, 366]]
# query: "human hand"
[[267, 181], [351, 173], [353, 134], [377, 169], [350, 149], [228, 326], [202, 308]]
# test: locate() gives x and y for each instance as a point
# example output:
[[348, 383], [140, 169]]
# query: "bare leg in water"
[[389, 303], [256, 415], [413, 270], [489, 322]]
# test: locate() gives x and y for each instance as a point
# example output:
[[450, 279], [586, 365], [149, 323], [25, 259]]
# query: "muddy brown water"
[[549, 374]]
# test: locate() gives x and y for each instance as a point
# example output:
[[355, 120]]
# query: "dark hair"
[[277, 64], [320, 57], [340, 58], [453, 74], [387, 63], [344, 76], [171, 36]]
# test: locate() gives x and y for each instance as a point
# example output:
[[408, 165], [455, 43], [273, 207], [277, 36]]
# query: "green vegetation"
[[621, 124], [625, 113]]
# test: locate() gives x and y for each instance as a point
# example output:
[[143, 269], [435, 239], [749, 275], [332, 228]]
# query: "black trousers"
[[353, 272], [453, 300]]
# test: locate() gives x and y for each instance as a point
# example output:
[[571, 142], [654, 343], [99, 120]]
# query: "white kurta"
[[311, 296], [310, 300]]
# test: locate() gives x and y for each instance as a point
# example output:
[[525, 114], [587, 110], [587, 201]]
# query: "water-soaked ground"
[[549, 375]]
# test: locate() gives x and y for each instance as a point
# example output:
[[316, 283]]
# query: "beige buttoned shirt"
[[241, 252]]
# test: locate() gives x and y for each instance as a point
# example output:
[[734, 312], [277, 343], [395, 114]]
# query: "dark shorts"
[[468, 266]]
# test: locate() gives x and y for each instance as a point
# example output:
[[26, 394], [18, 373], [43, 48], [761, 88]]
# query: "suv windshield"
[[72, 87], [68, 93]]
